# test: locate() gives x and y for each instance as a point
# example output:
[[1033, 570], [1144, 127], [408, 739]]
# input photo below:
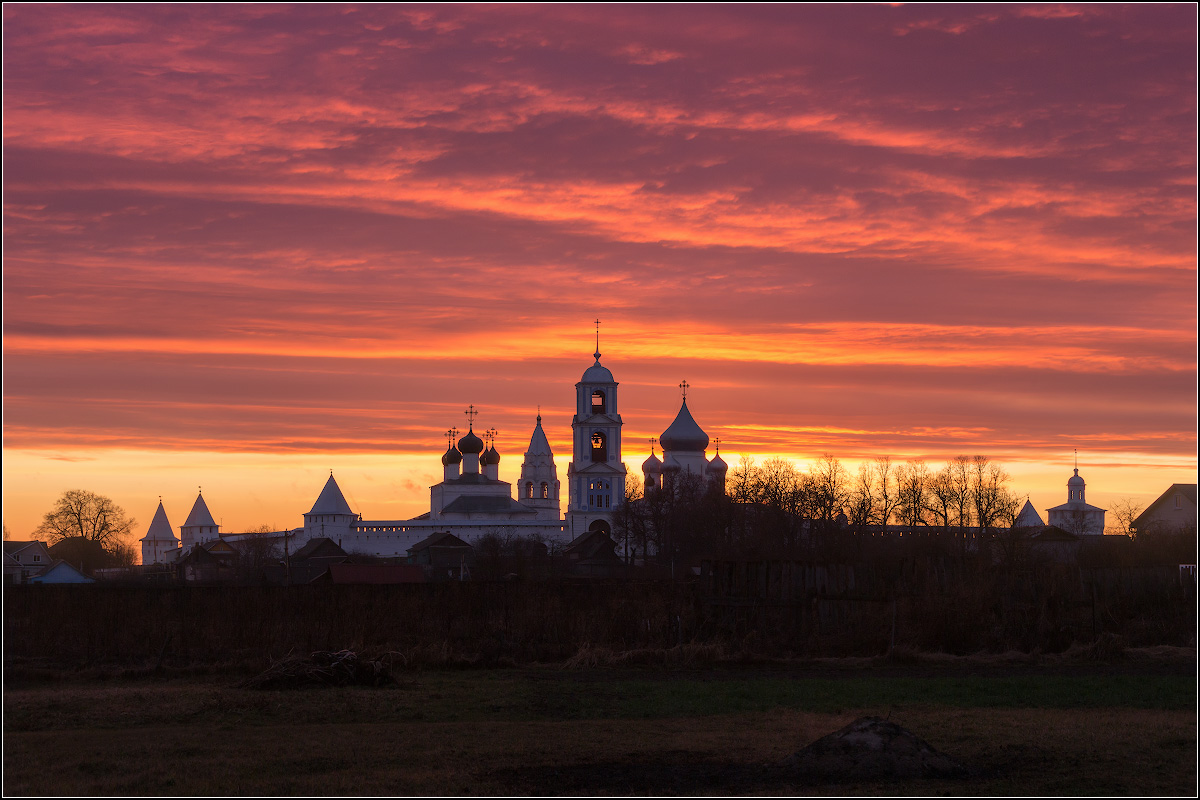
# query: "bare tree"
[[742, 483], [886, 489], [912, 492], [79, 514], [958, 477], [828, 480], [993, 503], [1123, 512], [863, 503]]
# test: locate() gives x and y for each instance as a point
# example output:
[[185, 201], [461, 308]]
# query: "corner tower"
[[596, 474]]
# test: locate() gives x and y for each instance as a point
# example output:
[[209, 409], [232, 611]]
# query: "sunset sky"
[[244, 245]]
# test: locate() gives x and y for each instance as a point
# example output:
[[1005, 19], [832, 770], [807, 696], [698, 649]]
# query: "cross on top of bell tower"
[[683, 386], [597, 353]]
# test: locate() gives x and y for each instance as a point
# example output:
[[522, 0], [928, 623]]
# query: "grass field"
[[1089, 729]]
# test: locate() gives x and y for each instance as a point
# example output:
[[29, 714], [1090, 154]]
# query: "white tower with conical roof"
[[538, 486], [159, 539], [331, 516], [199, 527], [596, 474]]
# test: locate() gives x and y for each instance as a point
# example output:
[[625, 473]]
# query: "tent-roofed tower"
[[538, 486], [159, 538], [596, 474], [1029, 517], [330, 516], [199, 526]]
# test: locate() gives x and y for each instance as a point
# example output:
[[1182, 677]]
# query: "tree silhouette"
[[79, 514]]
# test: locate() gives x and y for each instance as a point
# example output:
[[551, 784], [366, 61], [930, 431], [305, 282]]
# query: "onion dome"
[[671, 464], [451, 456], [652, 466], [470, 444], [1075, 480], [597, 373], [684, 434], [490, 456], [717, 464]]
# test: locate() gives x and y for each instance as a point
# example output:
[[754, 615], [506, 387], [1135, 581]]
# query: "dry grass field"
[[1125, 728]]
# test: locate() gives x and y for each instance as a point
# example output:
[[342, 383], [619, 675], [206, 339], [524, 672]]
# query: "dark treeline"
[[828, 513]]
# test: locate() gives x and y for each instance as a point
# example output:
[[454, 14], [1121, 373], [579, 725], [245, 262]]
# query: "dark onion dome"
[[652, 465], [490, 456], [671, 464], [717, 464], [597, 373], [451, 456], [684, 434], [470, 444]]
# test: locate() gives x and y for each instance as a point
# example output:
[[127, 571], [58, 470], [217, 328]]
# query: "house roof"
[[320, 547], [486, 504], [61, 569], [1052, 533], [200, 514], [593, 544], [439, 539], [160, 527], [1188, 490], [331, 500], [13, 548]]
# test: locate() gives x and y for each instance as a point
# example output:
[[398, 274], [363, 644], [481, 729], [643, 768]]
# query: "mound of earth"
[[871, 748]]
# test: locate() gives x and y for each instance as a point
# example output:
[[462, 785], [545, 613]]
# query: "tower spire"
[[597, 353]]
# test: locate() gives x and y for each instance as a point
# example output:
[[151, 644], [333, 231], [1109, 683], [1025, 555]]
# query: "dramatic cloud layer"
[[861, 230]]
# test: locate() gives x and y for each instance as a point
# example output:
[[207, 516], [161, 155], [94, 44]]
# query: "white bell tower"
[[596, 474]]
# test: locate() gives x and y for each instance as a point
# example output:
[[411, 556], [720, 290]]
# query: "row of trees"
[[968, 491], [774, 509]]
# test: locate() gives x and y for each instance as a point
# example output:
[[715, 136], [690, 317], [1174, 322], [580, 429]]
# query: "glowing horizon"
[[263, 239]]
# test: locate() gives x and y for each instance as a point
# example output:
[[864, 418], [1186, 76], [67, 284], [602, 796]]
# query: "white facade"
[[685, 447], [596, 474], [159, 540], [1075, 515], [538, 487], [199, 526]]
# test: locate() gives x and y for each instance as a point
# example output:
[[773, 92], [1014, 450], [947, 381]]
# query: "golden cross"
[[471, 414]]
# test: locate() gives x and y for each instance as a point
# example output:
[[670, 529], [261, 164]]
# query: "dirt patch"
[[343, 668], [871, 748]]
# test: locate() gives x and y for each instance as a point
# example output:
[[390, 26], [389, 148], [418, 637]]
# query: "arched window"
[[597, 402], [545, 491], [529, 490], [599, 447]]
